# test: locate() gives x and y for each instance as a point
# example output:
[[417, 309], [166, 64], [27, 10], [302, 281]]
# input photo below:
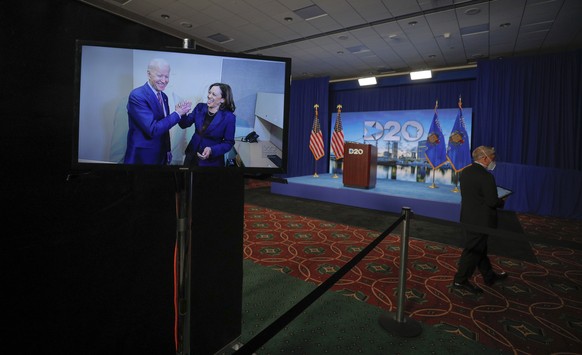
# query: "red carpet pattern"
[[537, 310]]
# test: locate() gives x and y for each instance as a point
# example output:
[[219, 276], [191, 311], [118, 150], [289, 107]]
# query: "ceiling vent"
[[220, 38], [358, 49], [310, 12], [474, 30]]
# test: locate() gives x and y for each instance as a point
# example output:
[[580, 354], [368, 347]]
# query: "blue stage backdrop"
[[400, 137]]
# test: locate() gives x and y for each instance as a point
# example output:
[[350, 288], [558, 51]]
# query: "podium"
[[360, 162]]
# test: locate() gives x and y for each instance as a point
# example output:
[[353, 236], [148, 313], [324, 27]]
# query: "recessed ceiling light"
[[288, 19], [186, 24], [432, 56], [505, 25], [340, 52], [413, 23], [165, 17], [472, 11], [343, 37]]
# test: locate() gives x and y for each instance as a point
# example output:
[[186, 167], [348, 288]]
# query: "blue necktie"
[[160, 99]]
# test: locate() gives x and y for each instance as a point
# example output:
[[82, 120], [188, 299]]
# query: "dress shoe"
[[467, 286], [496, 277]]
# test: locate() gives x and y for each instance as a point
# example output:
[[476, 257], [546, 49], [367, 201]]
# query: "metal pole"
[[184, 252], [403, 263], [399, 323], [184, 255]]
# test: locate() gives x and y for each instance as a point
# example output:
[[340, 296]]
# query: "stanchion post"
[[399, 323], [183, 262]]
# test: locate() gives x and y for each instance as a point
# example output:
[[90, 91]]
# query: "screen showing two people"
[[145, 108]]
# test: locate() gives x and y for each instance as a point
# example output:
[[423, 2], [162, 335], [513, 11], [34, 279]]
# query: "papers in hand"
[[503, 192]]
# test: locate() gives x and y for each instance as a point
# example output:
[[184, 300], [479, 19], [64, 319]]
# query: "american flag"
[[316, 138], [337, 137]]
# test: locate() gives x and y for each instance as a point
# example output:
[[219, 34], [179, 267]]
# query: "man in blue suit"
[[150, 119]]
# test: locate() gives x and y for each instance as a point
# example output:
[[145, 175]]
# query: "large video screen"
[[214, 110]]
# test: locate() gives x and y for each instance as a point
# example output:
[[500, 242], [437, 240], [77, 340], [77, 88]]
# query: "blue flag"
[[458, 151], [435, 143]]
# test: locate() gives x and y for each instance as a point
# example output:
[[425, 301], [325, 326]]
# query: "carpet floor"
[[292, 245]]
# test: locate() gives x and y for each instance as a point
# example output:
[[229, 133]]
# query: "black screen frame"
[[85, 91]]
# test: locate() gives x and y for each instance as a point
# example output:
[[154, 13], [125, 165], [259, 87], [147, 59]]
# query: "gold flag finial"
[[315, 106], [339, 107]]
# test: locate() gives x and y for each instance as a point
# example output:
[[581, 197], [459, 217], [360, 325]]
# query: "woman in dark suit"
[[479, 204], [214, 123]]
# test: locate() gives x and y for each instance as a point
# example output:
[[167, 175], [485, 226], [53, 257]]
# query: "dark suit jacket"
[[479, 201], [148, 138], [219, 135]]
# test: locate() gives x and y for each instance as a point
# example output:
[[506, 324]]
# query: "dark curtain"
[[304, 95], [530, 110]]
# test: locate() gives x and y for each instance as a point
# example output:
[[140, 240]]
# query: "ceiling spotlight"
[[423, 74], [186, 24], [413, 23], [432, 56], [367, 81], [288, 19], [165, 17], [505, 25]]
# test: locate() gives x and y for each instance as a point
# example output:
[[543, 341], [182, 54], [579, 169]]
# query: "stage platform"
[[388, 195]]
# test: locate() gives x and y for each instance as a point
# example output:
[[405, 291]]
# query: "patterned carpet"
[[537, 310]]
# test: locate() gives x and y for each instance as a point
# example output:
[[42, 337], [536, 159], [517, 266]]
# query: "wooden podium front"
[[360, 161]]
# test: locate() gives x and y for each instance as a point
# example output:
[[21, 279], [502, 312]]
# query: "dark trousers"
[[474, 256]]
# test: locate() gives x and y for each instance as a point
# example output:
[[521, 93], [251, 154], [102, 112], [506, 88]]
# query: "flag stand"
[[433, 186], [335, 175], [456, 189], [315, 173]]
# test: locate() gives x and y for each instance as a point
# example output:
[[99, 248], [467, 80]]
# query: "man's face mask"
[[492, 163]]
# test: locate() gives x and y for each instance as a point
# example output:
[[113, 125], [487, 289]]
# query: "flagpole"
[[339, 110], [433, 186], [456, 176], [316, 106]]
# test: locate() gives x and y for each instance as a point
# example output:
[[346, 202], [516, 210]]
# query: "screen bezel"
[[85, 165]]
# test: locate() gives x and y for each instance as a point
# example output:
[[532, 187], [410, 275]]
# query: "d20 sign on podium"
[[360, 163]]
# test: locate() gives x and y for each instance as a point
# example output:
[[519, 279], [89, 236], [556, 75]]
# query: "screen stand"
[[183, 253], [182, 261]]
